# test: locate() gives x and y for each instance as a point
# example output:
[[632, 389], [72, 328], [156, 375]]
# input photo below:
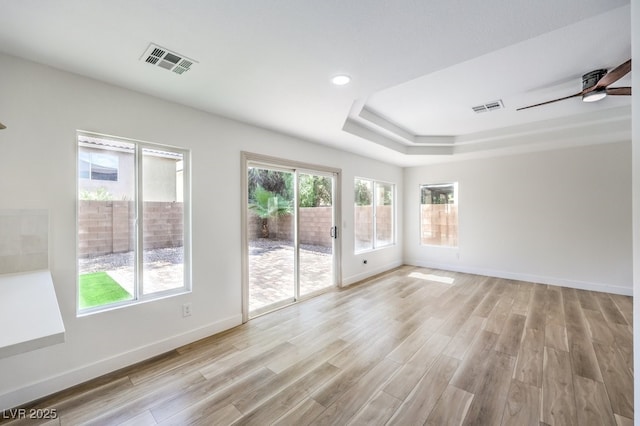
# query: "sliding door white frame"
[[248, 158]]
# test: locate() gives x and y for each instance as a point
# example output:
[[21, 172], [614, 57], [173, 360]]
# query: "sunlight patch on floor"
[[431, 277]]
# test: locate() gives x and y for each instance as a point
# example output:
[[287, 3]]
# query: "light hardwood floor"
[[413, 346]]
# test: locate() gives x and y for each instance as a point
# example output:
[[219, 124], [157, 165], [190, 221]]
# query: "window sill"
[[374, 249], [129, 303], [440, 247]]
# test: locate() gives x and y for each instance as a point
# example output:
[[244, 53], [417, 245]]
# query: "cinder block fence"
[[315, 226], [106, 227]]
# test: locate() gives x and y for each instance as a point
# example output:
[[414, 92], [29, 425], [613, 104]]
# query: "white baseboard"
[[369, 273], [560, 282], [36, 390]]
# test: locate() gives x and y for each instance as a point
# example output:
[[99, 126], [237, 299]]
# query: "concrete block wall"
[[363, 224], [163, 224], [439, 224], [315, 226], [123, 217], [280, 228], [95, 227], [106, 227], [384, 223], [316, 222]]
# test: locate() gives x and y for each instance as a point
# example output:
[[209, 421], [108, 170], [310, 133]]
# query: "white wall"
[[558, 217], [42, 109], [635, 106]]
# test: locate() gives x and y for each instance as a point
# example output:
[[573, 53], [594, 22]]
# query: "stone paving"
[[271, 271]]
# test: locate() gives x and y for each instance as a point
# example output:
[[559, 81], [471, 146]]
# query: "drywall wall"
[[635, 111], [24, 245], [42, 109], [559, 217]]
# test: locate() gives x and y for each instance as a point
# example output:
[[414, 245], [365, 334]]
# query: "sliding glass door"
[[316, 232], [290, 235], [270, 232]]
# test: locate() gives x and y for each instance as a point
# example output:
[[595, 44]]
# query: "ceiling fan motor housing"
[[591, 78]]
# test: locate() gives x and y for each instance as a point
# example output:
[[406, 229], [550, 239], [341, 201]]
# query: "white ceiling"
[[417, 66]]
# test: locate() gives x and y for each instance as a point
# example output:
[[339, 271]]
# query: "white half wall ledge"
[[30, 317], [536, 279]]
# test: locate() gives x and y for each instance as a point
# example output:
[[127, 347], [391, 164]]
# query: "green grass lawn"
[[99, 289]]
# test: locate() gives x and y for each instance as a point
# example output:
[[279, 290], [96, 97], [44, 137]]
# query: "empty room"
[[318, 212]]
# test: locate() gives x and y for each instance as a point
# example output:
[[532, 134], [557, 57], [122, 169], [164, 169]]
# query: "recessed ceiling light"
[[340, 79]]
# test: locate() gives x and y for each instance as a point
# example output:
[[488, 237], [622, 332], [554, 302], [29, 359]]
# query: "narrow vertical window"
[[163, 218], [132, 220], [383, 214], [363, 219], [439, 214], [373, 214]]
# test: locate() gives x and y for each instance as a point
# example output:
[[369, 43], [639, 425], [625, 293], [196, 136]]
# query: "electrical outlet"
[[186, 309]]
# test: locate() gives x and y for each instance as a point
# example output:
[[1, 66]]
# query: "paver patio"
[[271, 271]]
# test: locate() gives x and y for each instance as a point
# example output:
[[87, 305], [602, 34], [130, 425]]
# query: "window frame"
[[138, 295], [456, 195], [374, 204]]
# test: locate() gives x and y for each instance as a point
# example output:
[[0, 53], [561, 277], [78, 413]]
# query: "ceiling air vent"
[[165, 58], [489, 106]]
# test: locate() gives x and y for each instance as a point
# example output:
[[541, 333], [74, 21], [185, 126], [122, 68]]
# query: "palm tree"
[[267, 204]]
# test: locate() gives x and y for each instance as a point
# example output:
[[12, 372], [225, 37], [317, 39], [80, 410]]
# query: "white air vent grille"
[[489, 106], [164, 58]]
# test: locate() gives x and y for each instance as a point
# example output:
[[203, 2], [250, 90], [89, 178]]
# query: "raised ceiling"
[[417, 67]]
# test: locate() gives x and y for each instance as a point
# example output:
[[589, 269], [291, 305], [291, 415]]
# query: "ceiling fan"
[[595, 85]]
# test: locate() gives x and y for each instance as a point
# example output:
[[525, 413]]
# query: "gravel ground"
[[174, 255], [109, 262]]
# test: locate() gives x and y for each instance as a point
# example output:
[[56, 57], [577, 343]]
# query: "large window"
[[439, 214], [374, 211], [133, 221]]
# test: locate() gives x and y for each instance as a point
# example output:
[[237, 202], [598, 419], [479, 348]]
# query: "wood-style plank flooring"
[[413, 346]]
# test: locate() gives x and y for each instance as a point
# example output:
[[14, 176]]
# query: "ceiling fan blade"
[[619, 91], [2, 126], [550, 102], [613, 75]]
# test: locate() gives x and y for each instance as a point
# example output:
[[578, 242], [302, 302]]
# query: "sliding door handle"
[[334, 232]]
